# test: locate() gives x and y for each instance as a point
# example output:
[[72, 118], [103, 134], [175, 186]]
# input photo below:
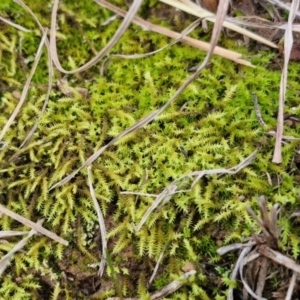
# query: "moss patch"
[[212, 125]]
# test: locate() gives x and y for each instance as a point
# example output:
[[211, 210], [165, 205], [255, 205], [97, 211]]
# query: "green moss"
[[216, 129]]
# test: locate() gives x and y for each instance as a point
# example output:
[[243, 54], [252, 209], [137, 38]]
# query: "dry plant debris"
[[260, 255]]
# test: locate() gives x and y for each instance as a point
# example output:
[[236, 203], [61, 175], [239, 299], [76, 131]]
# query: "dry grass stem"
[[184, 33], [50, 73], [171, 287], [118, 34], [101, 223], [19, 27], [279, 258], [262, 276], [7, 257], [291, 286], [222, 9], [165, 196], [231, 55], [284, 137], [199, 12], [284, 6], [36, 226], [4, 234], [259, 258], [26, 87], [225, 249], [165, 291], [288, 43], [157, 264]]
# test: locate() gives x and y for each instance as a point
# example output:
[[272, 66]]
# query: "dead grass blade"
[[295, 214], [4, 234], [292, 284], [246, 285], [101, 223], [184, 33], [221, 13], [261, 23], [50, 73], [233, 170], [295, 27], [231, 55], [167, 290], [157, 264], [6, 258], [284, 137], [225, 249], [199, 12], [239, 264], [264, 251], [262, 276], [279, 258], [284, 6], [118, 34], [19, 27], [50, 76], [26, 87], [165, 196], [37, 227], [171, 287], [288, 43]]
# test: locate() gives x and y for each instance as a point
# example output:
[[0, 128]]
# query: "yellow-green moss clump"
[[211, 125]]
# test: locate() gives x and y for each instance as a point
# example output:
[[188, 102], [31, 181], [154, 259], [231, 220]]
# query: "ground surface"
[[212, 125]]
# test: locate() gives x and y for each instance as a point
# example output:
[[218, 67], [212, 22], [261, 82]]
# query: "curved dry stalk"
[[236, 246], [232, 170], [4, 234], [101, 223], [291, 286], [118, 34], [279, 258], [19, 27], [184, 33], [7, 257], [288, 44], [35, 226], [165, 196], [50, 74], [234, 56], [267, 24], [263, 250], [245, 284], [222, 9], [282, 5], [157, 264], [26, 87], [171, 287], [165, 291], [193, 9]]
